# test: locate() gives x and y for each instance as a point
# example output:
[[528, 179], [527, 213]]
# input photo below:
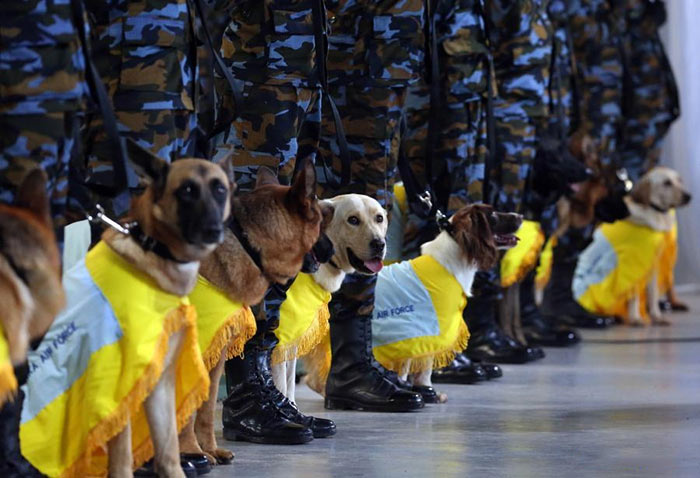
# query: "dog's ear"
[[471, 230], [327, 210], [227, 166], [303, 191], [641, 192], [147, 165], [32, 196], [265, 176]]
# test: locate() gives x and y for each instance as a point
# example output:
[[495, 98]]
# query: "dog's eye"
[[354, 220], [668, 183], [380, 218], [188, 191], [219, 190]]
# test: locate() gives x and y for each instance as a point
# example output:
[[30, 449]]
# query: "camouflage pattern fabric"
[[376, 49], [143, 51], [42, 87], [272, 42], [597, 30], [278, 126], [371, 117], [460, 155], [47, 140], [520, 34], [650, 95], [376, 42]]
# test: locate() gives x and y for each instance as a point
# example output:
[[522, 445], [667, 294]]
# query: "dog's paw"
[[637, 322], [220, 456], [660, 321], [678, 306], [442, 397]]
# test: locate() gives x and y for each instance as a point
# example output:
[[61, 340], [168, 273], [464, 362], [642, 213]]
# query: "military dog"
[[30, 278], [278, 224], [174, 224]]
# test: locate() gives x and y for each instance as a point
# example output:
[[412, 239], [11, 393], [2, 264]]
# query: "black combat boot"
[[558, 301], [250, 412], [538, 328], [488, 342], [12, 463], [462, 370], [355, 381]]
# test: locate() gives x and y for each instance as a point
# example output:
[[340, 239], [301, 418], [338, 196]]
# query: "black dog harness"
[[235, 227]]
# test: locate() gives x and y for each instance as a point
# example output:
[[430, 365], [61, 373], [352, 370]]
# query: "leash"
[[136, 232], [321, 41], [110, 183], [224, 123]]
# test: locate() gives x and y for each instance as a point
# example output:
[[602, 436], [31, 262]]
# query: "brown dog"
[[282, 223], [30, 267], [183, 209]]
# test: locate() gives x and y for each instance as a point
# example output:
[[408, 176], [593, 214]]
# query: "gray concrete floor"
[[609, 407]]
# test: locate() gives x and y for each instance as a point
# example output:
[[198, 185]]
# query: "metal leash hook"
[[443, 221], [99, 217], [623, 176]]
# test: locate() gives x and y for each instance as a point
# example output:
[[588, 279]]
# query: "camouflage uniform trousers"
[[460, 157], [651, 105], [371, 117], [47, 140], [169, 134], [516, 143], [278, 126]]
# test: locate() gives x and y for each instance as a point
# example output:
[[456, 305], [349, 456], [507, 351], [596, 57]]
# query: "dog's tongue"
[[375, 265]]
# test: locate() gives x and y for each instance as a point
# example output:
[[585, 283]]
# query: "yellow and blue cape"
[[616, 266], [99, 361], [418, 316]]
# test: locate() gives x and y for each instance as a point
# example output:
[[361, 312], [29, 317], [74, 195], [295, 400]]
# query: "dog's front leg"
[[279, 376], [635, 317], [204, 424], [160, 413], [291, 379], [653, 297], [119, 453]]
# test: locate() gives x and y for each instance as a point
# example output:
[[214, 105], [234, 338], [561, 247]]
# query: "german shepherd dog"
[[182, 211], [30, 267], [282, 224], [30, 294]]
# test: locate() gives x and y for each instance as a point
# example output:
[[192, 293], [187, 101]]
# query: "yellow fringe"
[[434, 360], [318, 364], [8, 382], [526, 265], [307, 342], [235, 332], [108, 428], [543, 275]]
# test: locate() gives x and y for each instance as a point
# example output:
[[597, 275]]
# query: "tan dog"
[[30, 277], [653, 197], [282, 223], [357, 231], [183, 208]]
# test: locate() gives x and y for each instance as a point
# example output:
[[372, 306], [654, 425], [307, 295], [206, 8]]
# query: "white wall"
[[681, 36]]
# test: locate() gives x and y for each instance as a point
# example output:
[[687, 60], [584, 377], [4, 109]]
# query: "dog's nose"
[[212, 234], [377, 246], [687, 197]]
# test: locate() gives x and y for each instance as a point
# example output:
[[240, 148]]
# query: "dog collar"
[[657, 208], [150, 244], [235, 227], [443, 222]]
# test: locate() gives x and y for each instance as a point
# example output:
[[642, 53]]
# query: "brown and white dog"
[[30, 267], [650, 203], [184, 208], [357, 232], [469, 243], [282, 223]]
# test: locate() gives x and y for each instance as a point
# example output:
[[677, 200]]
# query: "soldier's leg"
[[279, 126], [48, 141], [371, 119], [266, 133]]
